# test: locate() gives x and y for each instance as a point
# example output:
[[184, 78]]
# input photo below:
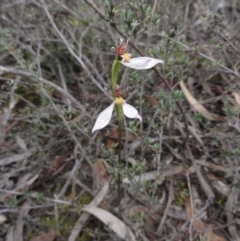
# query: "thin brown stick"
[[206, 188], [169, 203], [119, 164]]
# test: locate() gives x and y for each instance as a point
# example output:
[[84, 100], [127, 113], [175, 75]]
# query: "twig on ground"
[[169, 203]]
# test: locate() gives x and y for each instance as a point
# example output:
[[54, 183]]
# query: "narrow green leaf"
[[115, 69]]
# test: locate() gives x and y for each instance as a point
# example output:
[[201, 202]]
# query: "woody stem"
[[119, 164]]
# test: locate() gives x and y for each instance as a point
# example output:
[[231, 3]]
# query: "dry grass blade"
[[199, 107], [115, 224]]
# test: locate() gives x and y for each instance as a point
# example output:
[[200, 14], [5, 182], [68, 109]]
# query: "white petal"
[[142, 63], [103, 118], [130, 111]]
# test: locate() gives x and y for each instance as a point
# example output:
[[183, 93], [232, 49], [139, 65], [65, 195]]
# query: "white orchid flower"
[[134, 63], [105, 116], [140, 62]]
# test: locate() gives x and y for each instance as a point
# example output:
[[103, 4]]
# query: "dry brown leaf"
[[113, 133], [196, 222], [57, 162], [151, 100], [100, 176], [232, 101], [110, 143], [113, 223], [151, 223], [46, 236], [210, 236], [237, 98], [219, 89], [219, 185], [53, 169], [75, 119], [170, 125], [199, 107]]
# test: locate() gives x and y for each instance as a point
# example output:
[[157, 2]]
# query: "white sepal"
[[130, 111], [142, 63], [103, 118]]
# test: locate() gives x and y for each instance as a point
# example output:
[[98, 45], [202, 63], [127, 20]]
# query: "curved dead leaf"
[[100, 176], [84, 216], [237, 98], [231, 202], [115, 224], [219, 185], [199, 107], [151, 100], [211, 236], [18, 229], [196, 222]]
